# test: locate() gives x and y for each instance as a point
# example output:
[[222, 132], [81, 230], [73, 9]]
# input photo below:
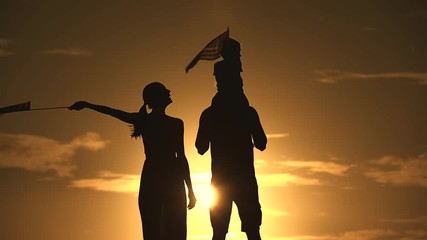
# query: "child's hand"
[[192, 201]]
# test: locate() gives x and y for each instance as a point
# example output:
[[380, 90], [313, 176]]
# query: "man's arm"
[[258, 135], [204, 133]]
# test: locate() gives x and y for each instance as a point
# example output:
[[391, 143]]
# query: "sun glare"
[[205, 195]]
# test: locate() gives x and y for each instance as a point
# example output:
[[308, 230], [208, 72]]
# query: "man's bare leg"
[[253, 235]]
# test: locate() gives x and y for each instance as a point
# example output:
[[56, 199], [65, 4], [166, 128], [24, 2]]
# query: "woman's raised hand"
[[78, 105]]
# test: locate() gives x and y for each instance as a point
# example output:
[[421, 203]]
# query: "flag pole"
[[46, 108]]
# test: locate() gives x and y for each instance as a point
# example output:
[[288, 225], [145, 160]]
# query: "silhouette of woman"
[[162, 200]]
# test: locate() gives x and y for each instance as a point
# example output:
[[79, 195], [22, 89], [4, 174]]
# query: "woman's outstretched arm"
[[119, 114], [186, 169]]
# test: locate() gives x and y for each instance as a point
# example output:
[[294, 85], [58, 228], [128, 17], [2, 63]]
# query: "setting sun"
[[340, 90], [204, 192], [205, 195]]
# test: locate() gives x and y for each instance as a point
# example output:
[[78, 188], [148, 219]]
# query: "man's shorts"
[[245, 195]]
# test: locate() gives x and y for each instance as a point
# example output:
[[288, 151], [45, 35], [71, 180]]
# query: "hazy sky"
[[340, 87]]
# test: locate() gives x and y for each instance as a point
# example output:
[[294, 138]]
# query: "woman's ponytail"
[[138, 125]]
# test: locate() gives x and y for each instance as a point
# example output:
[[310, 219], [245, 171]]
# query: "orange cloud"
[[399, 171], [72, 52], [4, 43], [285, 179], [42, 154], [277, 135], [332, 168], [110, 182], [334, 76], [274, 212], [416, 220], [4, 52], [366, 234], [127, 183]]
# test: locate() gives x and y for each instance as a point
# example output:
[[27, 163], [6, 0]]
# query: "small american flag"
[[16, 108], [211, 51]]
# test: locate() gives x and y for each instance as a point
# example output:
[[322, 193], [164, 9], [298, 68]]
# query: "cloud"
[[3, 51], [285, 179], [420, 234], [201, 177], [277, 135], [368, 234], [329, 167], [42, 154], [365, 234], [107, 181], [264, 180], [399, 171], [296, 172], [317, 166], [4, 42], [334, 76], [110, 182], [274, 212], [72, 52], [416, 220]]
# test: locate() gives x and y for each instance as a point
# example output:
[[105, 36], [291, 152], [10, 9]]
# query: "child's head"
[[230, 48]]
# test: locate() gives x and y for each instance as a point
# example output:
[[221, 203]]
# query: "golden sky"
[[340, 87]]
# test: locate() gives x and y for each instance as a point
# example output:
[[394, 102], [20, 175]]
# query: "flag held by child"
[[211, 51]]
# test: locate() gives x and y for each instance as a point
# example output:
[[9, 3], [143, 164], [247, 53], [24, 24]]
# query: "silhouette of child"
[[227, 75], [162, 200]]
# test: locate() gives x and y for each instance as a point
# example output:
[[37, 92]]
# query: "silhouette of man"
[[232, 133]]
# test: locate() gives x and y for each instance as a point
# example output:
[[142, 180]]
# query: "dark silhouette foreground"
[[162, 200], [231, 128]]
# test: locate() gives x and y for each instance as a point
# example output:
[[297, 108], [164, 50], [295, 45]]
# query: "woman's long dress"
[[162, 198]]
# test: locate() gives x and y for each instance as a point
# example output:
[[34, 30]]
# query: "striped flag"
[[211, 51], [16, 108]]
